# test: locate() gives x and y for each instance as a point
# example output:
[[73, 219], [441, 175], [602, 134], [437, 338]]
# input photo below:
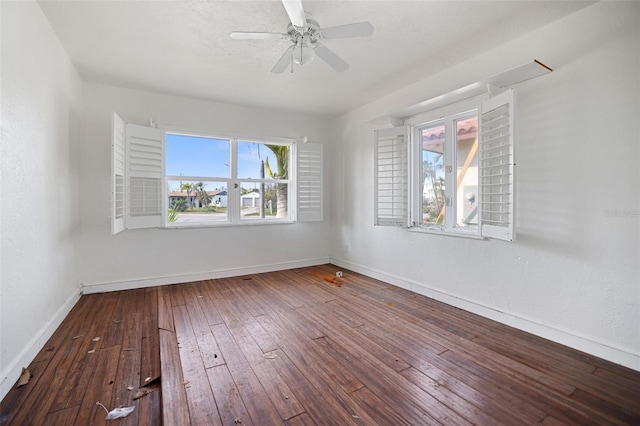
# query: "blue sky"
[[207, 157]]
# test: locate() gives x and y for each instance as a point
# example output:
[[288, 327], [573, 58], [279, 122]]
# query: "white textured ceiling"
[[183, 47]]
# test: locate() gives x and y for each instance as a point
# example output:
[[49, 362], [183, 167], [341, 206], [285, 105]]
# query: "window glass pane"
[[272, 205], [196, 203], [262, 161], [196, 156], [433, 178], [467, 172]]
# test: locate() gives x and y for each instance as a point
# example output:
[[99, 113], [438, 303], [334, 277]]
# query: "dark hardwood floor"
[[304, 347]]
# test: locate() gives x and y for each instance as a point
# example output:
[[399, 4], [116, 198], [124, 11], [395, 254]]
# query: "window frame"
[[305, 192], [495, 134], [234, 182], [435, 118]]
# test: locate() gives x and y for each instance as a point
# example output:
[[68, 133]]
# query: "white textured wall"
[[573, 273], [152, 256], [41, 121]]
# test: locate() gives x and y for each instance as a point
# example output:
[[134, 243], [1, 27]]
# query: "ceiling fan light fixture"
[[303, 52]]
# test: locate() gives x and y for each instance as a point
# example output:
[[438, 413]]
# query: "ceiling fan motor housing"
[[312, 33]]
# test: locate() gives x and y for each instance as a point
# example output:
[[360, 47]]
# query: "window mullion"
[[416, 172], [234, 184], [450, 173]]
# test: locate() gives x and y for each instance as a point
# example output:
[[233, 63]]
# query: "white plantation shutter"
[[391, 177], [144, 155], [496, 167], [309, 169], [117, 173]]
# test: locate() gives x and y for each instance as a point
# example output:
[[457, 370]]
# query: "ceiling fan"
[[305, 34]]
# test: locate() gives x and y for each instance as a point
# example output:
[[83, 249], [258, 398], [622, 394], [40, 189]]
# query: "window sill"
[[227, 224], [446, 232]]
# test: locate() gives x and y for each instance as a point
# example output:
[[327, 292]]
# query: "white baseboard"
[[564, 337], [208, 275], [11, 374]]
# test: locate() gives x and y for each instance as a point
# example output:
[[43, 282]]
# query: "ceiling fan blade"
[[296, 13], [283, 62], [358, 29], [331, 58], [246, 35]]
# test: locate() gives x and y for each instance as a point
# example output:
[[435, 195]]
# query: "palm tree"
[[187, 187], [429, 170], [281, 152], [203, 198]]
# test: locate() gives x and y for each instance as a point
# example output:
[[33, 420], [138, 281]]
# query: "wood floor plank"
[[244, 296], [260, 408], [324, 374], [150, 406], [377, 408], [175, 290], [73, 385], [39, 400], [250, 302], [127, 380], [175, 409], [298, 345], [252, 298], [443, 395], [300, 282], [278, 287], [456, 402], [206, 342], [303, 347], [227, 305], [548, 345], [551, 402], [438, 368], [113, 332], [150, 355], [373, 315], [323, 401], [230, 405], [165, 313], [616, 380], [551, 421], [342, 315], [64, 332], [100, 388], [417, 406], [12, 403], [580, 379], [499, 339], [388, 358], [200, 400], [66, 416], [300, 420], [277, 390], [468, 348], [615, 412], [208, 306]]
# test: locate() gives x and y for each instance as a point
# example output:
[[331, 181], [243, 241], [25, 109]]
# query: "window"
[[448, 173], [197, 177], [175, 179], [212, 180], [454, 176]]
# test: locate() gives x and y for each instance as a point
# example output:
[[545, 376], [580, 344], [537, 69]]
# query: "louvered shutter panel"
[[496, 166], [391, 177], [309, 181], [117, 173], [145, 153]]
